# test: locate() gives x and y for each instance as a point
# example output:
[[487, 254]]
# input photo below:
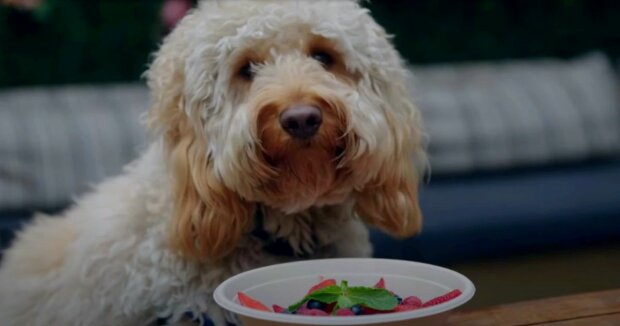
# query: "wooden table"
[[591, 309]]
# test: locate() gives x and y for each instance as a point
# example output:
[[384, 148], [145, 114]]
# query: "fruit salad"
[[328, 298]]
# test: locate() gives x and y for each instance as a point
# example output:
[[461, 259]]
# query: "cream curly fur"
[[157, 240]]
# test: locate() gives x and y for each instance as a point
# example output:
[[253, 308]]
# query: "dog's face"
[[290, 104]]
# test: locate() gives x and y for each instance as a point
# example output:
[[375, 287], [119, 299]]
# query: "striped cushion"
[[503, 115], [55, 142]]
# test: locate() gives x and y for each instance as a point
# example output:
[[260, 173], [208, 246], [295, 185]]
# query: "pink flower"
[[23, 4], [173, 10]]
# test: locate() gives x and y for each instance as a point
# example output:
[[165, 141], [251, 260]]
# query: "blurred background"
[[520, 101]]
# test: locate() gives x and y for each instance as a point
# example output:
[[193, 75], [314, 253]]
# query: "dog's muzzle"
[[302, 121]]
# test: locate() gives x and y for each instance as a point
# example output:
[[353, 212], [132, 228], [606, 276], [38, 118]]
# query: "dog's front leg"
[[354, 240]]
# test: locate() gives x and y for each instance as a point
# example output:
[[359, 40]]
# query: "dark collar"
[[189, 316], [272, 244]]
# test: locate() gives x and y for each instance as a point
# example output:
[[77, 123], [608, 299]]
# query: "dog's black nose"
[[301, 121]]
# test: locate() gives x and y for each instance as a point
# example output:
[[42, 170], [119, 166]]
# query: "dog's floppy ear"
[[390, 200], [208, 218]]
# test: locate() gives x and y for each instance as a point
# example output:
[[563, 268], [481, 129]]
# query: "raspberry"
[[344, 312], [380, 284], [412, 301], [311, 312], [278, 309], [443, 298]]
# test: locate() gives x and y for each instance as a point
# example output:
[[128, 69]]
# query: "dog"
[[280, 129]]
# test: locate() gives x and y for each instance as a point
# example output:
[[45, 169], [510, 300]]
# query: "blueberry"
[[400, 300], [357, 310], [313, 304]]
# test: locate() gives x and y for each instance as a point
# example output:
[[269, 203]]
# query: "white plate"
[[284, 284]]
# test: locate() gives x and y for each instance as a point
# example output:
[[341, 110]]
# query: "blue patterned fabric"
[[496, 215]]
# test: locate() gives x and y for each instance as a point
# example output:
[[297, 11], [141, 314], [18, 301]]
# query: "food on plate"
[[328, 298]]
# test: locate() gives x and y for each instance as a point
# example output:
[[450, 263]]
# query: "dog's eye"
[[323, 57], [247, 71]]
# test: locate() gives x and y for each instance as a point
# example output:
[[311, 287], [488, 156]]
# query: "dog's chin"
[[303, 175]]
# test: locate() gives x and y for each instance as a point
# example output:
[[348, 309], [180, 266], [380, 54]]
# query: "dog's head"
[[290, 104]]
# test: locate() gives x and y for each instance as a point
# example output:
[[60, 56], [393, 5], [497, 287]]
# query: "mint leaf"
[[324, 297], [344, 302], [347, 297], [327, 295], [378, 299]]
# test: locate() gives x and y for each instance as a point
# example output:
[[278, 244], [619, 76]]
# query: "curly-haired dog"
[[279, 128]]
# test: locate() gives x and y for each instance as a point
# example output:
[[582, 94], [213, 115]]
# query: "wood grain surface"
[[596, 308]]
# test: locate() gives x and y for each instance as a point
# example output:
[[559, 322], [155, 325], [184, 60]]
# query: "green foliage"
[[77, 41], [447, 31], [72, 41]]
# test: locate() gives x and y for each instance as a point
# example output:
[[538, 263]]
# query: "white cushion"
[[55, 142], [507, 114]]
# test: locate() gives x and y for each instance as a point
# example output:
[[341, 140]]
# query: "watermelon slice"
[[442, 298], [322, 284], [250, 302], [380, 284]]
